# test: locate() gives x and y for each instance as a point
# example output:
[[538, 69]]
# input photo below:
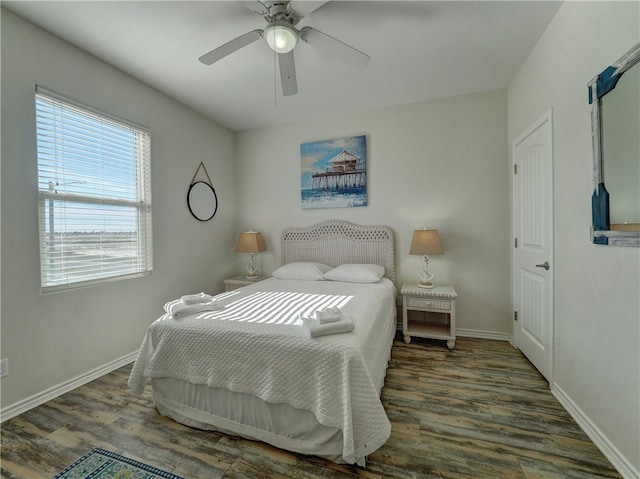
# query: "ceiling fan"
[[281, 34]]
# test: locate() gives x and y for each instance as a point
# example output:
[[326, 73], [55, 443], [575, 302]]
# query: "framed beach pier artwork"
[[334, 173]]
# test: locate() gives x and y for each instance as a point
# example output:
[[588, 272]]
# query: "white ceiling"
[[419, 50]]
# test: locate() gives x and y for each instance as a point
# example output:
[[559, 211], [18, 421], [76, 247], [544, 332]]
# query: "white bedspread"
[[256, 344]]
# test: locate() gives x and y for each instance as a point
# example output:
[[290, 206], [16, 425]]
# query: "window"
[[94, 195]]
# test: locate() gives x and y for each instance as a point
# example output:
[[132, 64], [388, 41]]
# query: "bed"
[[252, 368]]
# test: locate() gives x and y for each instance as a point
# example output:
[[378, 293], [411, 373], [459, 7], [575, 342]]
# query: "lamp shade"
[[250, 242], [281, 37], [426, 242]]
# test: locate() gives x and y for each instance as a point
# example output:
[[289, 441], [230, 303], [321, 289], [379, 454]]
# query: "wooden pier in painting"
[[345, 170]]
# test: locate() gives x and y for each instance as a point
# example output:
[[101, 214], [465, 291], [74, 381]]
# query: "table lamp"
[[426, 242], [250, 242]]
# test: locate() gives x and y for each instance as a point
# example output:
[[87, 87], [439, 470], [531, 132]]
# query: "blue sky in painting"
[[315, 156]]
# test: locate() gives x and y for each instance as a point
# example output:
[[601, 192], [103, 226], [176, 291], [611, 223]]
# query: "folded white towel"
[[316, 329], [178, 309], [328, 315], [196, 298]]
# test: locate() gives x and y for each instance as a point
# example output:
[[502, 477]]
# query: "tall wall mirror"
[[614, 95]]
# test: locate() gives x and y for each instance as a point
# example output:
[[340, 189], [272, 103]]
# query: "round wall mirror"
[[202, 201]]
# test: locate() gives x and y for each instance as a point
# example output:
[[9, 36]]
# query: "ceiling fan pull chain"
[[275, 80]]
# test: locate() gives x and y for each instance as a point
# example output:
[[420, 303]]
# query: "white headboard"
[[336, 242]]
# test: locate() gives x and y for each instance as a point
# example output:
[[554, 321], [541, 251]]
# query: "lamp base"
[[425, 285], [251, 276]]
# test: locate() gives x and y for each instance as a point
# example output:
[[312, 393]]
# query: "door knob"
[[544, 265]]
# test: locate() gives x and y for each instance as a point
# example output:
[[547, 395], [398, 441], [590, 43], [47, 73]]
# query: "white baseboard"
[[622, 465], [477, 333], [55, 391], [480, 334]]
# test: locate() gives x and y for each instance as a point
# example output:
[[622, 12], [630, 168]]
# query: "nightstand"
[[240, 281], [439, 299]]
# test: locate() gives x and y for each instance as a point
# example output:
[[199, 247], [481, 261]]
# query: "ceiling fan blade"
[[335, 48], [302, 8], [230, 47], [255, 6], [287, 68]]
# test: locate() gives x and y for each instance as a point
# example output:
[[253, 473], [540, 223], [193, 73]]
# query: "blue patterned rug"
[[101, 464]]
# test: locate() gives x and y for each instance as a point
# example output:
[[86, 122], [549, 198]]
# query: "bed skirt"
[[218, 409]]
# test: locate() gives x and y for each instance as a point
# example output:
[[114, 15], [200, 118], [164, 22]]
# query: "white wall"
[[55, 338], [597, 305], [442, 163]]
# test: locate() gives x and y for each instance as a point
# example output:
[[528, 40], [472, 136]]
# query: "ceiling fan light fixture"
[[281, 37]]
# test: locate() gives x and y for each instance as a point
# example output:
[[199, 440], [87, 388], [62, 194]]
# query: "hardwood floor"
[[478, 411]]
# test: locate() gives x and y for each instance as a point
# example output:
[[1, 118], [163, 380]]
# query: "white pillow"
[[304, 271], [356, 273]]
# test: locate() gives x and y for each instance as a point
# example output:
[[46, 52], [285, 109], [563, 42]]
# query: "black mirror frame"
[[215, 199]]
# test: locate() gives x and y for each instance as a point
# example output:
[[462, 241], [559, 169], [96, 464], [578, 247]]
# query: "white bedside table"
[[439, 299], [240, 281]]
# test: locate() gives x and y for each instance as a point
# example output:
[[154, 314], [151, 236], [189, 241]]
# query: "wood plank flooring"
[[478, 411]]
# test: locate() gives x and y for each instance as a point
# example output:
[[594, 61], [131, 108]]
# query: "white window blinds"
[[94, 195]]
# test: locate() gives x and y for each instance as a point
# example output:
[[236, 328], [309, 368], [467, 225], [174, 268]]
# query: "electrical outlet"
[[4, 367]]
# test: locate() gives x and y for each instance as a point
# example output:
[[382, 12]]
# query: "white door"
[[533, 244]]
